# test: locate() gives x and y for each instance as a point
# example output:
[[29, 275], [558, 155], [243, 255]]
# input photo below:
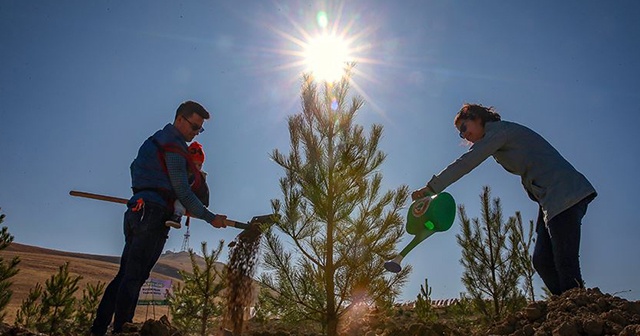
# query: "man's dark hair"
[[188, 108]]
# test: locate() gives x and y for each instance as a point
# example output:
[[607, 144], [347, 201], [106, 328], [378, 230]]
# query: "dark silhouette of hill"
[[168, 265], [17, 247]]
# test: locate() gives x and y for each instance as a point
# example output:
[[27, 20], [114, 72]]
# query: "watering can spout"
[[394, 265], [425, 217]]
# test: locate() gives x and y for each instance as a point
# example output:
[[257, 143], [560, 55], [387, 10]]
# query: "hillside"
[[39, 264], [576, 312]]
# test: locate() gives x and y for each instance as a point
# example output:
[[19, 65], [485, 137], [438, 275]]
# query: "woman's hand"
[[421, 193]]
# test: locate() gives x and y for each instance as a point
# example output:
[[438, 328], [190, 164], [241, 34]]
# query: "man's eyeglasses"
[[194, 127], [463, 128]]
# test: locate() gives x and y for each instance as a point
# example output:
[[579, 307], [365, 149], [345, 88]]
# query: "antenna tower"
[[185, 241]]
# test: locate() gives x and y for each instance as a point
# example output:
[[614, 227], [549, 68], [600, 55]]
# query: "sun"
[[329, 44], [326, 57], [324, 48]]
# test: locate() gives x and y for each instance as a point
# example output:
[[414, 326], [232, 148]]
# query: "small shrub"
[[7, 270], [28, 314], [88, 305], [196, 305], [58, 302], [424, 310]]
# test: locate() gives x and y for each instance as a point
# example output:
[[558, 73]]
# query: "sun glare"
[[326, 57], [324, 44]]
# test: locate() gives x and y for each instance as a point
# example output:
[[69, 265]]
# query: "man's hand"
[[421, 193], [220, 221]]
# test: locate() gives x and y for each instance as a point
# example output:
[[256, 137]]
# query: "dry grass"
[[39, 264]]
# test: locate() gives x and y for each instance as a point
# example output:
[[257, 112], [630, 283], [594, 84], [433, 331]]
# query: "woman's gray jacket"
[[548, 178]]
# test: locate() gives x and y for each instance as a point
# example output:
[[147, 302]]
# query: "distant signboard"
[[154, 292]]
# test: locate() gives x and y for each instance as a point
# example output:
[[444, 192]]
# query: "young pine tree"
[[423, 309], [523, 241], [58, 302], [195, 306], [28, 315], [7, 270], [491, 270], [87, 306], [462, 313], [340, 225]]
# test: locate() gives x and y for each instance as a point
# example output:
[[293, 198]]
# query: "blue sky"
[[82, 84]]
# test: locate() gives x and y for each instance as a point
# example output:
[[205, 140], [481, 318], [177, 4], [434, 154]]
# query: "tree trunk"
[[332, 318], [332, 323]]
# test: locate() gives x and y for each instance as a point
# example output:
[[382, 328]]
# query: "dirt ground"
[[575, 313]]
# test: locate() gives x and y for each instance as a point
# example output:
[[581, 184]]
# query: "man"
[[159, 176]]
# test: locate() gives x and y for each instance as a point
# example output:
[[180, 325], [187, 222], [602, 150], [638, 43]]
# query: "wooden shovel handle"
[[99, 197]]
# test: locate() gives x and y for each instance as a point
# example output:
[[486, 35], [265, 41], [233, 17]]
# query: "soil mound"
[[576, 312]]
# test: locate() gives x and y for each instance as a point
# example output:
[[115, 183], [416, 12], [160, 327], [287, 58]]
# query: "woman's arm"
[[479, 151]]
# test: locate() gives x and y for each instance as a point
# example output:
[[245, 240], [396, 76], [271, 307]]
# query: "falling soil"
[[243, 256]]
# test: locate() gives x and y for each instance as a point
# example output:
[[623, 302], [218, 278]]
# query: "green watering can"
[[425, 217]]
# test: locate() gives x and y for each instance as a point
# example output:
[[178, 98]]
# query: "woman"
[[561, 192]]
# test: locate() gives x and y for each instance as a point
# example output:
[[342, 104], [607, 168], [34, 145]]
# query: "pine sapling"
[[524, 242], [490, 259], [339, 224], [58, 302], [7, 270], [87, 306], [195, 306], [28, 315], [424, 310]]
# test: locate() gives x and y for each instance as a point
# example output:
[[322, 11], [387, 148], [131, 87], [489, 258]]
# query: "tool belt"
[[167, 195]]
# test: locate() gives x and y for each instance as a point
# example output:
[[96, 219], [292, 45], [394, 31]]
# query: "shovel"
[[251, 229]]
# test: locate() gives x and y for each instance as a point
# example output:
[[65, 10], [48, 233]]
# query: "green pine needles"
[[423, 309], [55, 310], [8, 268], [337, 226], [491, 260], [196, 306]]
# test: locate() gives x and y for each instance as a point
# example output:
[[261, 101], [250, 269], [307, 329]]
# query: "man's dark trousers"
[[145, 235]]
